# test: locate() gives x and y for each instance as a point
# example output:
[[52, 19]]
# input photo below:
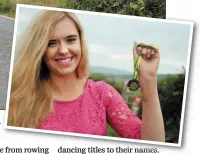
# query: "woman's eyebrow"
[[51, 41], [70, 36]]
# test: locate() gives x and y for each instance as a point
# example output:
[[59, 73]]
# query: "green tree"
[[7, 7], [171, 97], [155, 8], [118, 85], [128, 7], [148, 8], [97, 76]]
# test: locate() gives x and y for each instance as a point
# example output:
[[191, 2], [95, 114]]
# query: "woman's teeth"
[[65, 60]]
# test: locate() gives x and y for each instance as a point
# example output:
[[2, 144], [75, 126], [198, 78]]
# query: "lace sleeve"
[[119, 116]]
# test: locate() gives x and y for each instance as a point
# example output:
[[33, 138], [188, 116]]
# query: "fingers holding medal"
[[147, 54], [147, 51]]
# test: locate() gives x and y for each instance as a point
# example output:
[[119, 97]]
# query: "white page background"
[[187, 10]]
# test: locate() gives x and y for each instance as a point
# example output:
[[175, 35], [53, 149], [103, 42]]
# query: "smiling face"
[[64, 48]]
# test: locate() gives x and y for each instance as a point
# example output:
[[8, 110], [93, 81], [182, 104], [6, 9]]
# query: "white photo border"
[[96, 136]]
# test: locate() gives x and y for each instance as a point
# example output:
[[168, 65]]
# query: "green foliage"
[[171, 97], [97, 76], [7, 7], [111, 131], [155, 8], [128, 7], [117, 84], [149, 8]]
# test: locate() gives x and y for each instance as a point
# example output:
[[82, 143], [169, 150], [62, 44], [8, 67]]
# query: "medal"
[[134, 83]]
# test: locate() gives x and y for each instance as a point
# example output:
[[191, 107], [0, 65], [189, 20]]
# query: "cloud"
[[110, 52], [121, 57]]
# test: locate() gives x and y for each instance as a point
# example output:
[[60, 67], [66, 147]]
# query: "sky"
[[110, 38]]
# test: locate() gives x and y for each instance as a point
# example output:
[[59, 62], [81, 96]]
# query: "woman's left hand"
[[149, 63], [152, 120]]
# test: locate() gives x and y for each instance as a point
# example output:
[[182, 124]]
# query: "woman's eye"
[[51, 43], [71, 39]]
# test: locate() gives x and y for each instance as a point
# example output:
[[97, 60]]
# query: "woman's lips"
[[64, 62]]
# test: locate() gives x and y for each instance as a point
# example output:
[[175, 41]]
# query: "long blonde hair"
[[31, 99]]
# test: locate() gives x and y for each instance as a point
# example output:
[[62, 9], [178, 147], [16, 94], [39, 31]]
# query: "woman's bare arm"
[[152, 120]]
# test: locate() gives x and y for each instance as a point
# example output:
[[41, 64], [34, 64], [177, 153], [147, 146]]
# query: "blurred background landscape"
[[170, 90]]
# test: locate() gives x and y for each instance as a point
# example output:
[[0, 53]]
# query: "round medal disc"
[[133, 84]]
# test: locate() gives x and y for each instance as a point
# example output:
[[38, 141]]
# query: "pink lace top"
[[89, 113]]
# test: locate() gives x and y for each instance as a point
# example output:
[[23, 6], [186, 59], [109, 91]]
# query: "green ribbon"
[[136, 66], [138, 60]]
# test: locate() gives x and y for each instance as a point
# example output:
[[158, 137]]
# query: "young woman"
[[51, 90]]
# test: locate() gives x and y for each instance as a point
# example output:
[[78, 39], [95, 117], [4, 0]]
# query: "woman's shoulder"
[[104, 91], [99, 90], [101, 87]]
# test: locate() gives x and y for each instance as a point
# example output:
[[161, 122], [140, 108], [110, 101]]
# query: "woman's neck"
[[67, 87]]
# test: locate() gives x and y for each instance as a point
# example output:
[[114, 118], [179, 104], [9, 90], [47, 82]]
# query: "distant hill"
[[118, 73], [108, 71]]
